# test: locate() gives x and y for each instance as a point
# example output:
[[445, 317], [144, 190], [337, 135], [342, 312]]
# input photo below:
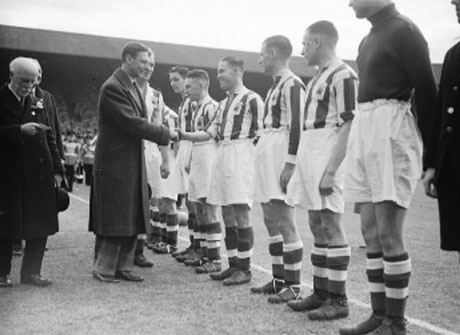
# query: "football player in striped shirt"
[[169, 187], [236, 126], [154, 106], [177, 76], [163, 182], [275, 159], [203, 155], [317, 184]]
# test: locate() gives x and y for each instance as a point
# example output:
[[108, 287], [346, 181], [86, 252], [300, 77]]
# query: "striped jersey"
[[205, 115], [185, 111], [284, 106], [238, 117], [155, 105], [331, 96]]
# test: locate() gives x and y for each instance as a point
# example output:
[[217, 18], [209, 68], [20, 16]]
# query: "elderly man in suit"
[[29, 171], [119, 198]]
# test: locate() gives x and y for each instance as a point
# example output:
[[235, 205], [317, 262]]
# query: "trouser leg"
[[33, 256], [6, 254]]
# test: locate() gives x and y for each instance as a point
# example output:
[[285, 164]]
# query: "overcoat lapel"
[[129, 87]]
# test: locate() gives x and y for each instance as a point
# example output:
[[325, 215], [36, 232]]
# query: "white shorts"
[[315, 149], [170, 187], [232, 177], [153, 163], [384, 155], [182, 160], [203, 155], [270, 157]]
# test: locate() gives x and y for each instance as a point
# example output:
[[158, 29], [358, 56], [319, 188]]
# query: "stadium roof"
[[73, 44]]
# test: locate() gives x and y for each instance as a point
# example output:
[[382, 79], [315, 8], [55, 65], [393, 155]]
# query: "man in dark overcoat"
[[119, 198], [28, 174], [442, 159]]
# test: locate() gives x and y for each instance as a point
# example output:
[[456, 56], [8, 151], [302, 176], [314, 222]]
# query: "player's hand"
[[33, 128], [180, 134], [174, 135], [164, 170], [187, 167], [286, 175], [428, 183], [326, 185]]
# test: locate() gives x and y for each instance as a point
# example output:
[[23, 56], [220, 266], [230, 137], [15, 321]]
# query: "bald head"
[[24, 75]]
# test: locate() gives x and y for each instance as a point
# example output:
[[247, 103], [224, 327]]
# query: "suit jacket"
[[445, 134], [119, 196], [28, 164], [53, 115]]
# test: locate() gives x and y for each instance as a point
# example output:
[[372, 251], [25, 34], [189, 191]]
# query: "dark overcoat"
[[52, 111], [119, 198], [28, 164], [443, 151]]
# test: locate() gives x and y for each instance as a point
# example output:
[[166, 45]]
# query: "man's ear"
[[317, 41], [129, 59]]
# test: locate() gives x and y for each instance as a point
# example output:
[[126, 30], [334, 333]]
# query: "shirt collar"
[[283, 73], [332, 63], [204, 100], [12, 91], [386, 13], [241, 89]]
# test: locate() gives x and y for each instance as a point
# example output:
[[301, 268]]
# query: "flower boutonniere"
[[36, 106]]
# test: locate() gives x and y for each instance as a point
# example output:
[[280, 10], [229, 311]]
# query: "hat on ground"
[[62, 199]]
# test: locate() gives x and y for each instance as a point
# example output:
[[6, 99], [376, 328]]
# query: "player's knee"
[[169, 206], [289, 231], [390, 243], [242, 216]]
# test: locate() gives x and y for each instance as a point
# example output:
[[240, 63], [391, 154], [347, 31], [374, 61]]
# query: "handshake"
[[176, 135]]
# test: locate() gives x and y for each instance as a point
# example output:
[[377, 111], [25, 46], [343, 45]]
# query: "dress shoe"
[[104, 278], [128, 276], [36, 280], [5, 281], [141, 261]]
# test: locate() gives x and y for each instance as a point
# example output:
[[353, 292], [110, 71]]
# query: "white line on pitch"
[[76, 197], [416, 322]]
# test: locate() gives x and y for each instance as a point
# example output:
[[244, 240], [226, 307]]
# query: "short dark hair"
[[198, 74], [133, 48], [234, 62], [325, 28], [281, 43], [182, 70]]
